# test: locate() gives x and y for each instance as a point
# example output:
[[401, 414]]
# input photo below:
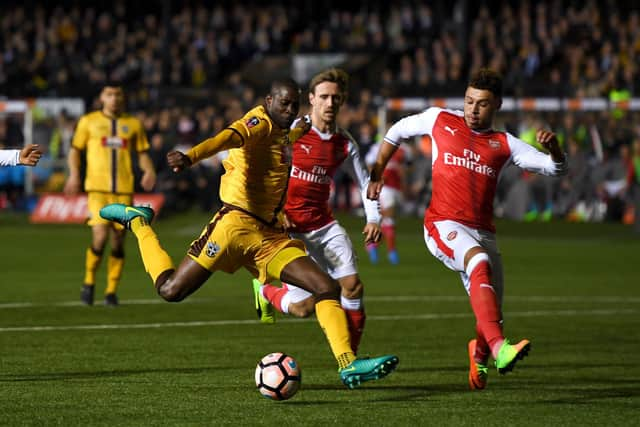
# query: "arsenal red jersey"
[[467, 164], [316, 157]]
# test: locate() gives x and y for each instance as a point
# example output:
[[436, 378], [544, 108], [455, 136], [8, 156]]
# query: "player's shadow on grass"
[[61, 376]]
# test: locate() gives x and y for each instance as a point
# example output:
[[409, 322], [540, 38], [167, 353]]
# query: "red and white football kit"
[[466, 167], [316, 157]]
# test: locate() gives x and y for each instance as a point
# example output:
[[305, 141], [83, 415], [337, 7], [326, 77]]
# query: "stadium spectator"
[[543, 48], [247, 231], [107, 137], [458, 225], [308, 217]]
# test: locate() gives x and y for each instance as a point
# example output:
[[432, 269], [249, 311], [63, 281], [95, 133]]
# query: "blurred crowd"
[[544, 48]]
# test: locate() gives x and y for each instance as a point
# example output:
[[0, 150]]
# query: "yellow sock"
[[334, 324], [92, 261], [114, 271], [155, 259]]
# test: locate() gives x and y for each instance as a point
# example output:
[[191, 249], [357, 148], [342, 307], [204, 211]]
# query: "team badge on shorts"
[[452, 235], [212, 249], [253, 121]]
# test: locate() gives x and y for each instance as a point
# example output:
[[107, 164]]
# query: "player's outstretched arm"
[[30, 155], [549, 141], [225, 139]]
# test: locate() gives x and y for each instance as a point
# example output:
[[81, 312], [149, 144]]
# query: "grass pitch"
[[570, 288]]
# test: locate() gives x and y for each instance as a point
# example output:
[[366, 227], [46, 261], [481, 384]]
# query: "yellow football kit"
[[109, 144], [246, 231]]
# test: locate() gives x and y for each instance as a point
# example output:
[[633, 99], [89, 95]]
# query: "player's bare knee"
[[352, 288], [168, 288], [171, 293], [304, 308], [471, 253]]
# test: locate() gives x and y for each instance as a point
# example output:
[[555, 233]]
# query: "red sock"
[[355, 319], [388, 229], [482, 348], [485, 305], [274, 295]]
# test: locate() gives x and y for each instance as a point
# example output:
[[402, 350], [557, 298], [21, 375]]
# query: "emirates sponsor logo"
[[469, 160], [317, 176], [452, 235]]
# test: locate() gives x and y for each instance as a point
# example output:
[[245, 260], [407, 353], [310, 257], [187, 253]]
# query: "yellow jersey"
[[257, 171], [109, 144]]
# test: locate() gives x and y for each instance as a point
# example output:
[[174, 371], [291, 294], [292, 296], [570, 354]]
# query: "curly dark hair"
[[487, 79]]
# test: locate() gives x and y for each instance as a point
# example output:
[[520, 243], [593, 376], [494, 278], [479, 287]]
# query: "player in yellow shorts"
[[246, 231], [108, 137]]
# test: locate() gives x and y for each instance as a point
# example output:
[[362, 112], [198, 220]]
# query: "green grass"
[[571, 288]]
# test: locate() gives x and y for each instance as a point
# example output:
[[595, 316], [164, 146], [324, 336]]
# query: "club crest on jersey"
[[124, 129], [452, 235], [212, 249], [253, 121], [495, 144]]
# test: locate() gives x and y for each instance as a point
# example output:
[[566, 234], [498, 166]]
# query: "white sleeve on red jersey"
[[358, 170], [9, 157], [414, 125], [529, 158]]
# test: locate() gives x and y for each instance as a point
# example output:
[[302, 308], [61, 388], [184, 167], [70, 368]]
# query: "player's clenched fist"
[[546, 138], [178, 161]]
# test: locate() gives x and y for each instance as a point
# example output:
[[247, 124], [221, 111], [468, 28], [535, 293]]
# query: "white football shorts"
[[449, 241], [331, 248]]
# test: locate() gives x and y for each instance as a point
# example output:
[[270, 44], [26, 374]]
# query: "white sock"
[[284, 303], [350, 303]]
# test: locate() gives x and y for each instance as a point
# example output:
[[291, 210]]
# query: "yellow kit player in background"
[[246, 231], [109, 138]]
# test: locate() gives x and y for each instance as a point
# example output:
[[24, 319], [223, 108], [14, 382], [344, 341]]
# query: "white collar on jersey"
[[323, 135]]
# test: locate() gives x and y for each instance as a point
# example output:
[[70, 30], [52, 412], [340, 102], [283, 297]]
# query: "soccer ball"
[[278, 376]]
